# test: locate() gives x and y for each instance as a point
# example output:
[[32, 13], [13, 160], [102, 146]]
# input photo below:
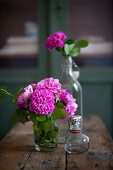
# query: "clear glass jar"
[[46, 135]]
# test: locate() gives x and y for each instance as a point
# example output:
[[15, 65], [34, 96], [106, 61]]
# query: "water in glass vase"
[[46, 135]]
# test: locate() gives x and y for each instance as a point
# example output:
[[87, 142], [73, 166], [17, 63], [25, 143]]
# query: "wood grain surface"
[[17, 150]]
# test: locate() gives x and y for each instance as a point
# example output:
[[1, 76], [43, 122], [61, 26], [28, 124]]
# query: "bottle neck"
[[76, 124], [67, 65]]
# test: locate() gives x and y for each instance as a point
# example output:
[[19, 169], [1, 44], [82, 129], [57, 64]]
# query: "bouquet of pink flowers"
[[46, 101], [42, 101]]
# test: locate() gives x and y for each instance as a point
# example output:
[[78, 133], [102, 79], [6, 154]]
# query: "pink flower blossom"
[[60, 35], [70, 108], [42, 102], [50, 84], [69, 102], [66, 97], [23, 97], [34, 86], [53, 42]]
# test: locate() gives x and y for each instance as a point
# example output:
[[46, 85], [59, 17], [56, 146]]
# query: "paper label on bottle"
[[76, 131]]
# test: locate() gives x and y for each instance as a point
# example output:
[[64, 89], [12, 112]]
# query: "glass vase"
[[46, 135], [75, 141], [68, 79]]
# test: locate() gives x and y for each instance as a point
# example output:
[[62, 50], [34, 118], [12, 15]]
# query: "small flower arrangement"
[[43, 101], [68, 47]]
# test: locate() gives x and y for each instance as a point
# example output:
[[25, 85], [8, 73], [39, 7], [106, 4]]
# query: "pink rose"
[[42, 102], [23, 97], [50, 84], [60, 35], [34, 86], [53, 42], [69, 103]]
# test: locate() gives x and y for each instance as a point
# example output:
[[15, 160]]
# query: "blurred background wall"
[[24, 26]]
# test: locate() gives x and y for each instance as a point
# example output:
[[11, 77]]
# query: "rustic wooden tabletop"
[[17, 150]]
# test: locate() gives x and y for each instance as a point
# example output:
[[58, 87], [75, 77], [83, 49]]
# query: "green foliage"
[[41, 117], [59, 104], [58, 112], [69, 42], [19, 115], [66, 49], [46, 126], [35, 125], [16, 95], [2, 94], [13, 119], [72, 47], [74, 52], [81, 44], [59, 49], [46, 133], [34, 117]]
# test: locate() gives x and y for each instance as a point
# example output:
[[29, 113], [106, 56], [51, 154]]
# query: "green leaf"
[[59, 104], [32, 116], [13, 119], [22, 115], [16, 95], [35, 125], [74, 52], [2, 94], [81, 44], [19, 115], [59, 49], [46, 126], [40, 117], [70, 41], [58, 112], [66, 49]]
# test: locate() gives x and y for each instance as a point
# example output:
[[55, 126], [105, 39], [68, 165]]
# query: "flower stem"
[[43, 138], [6, 92]]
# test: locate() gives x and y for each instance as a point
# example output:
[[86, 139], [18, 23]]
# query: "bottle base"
[[45, 148], [76, 149]]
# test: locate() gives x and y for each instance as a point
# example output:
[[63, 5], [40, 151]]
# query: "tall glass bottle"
[[74, 141], [69, 81]]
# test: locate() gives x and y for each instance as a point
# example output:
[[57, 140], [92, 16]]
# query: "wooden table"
[[17, 150]]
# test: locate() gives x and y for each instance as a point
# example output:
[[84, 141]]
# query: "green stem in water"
[[43, 138]]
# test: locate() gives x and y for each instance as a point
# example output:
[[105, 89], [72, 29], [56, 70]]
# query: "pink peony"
[[50, 84], [53, 42], [23, 97], [60, 35], [42, 102], [34, 86], [66, 97], [70, 108], [69, 102]]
